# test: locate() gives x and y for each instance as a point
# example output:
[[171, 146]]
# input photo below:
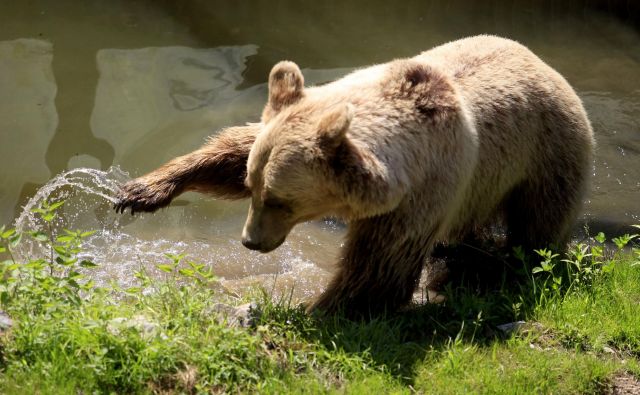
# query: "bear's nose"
[[250, 244]]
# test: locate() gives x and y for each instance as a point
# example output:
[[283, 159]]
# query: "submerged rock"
[[140, 323], [511, 327], [5, 322], [235, 316]]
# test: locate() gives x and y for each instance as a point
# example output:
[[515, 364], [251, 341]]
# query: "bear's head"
[[289, 170], [320, 153]]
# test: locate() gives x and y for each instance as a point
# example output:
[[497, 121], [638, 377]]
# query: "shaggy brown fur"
[[409, 153], [217, 169]]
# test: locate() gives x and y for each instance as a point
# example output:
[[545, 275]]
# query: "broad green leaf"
[[69, 262], [61, 250], [15, 239], [66, 261], [165, 268], [39, 236], [140, 275], [195, 265], [64, 239], [12, 266], [518, 252], [75, 275], [86, 263], [48, 217], [621, 241], [35, 265], [56, 205], [175, 258]]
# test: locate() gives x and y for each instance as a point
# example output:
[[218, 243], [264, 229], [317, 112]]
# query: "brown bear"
[[408, 153]]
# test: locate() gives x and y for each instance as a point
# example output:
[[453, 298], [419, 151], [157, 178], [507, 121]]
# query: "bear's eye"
[[275, 204]]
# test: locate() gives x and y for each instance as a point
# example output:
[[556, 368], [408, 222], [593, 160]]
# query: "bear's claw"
[[138, 196]]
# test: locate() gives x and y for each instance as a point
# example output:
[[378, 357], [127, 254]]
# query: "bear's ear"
[[411, 75], [426, 88], [286, 86], [333, 126]]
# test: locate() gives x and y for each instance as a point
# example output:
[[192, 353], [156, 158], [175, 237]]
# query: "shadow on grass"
[[484, 290]]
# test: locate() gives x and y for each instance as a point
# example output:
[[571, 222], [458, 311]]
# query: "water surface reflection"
[[134, 83]]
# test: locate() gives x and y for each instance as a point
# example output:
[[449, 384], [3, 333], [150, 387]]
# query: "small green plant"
[[44, 283], [188, 270], [548, 266], [583, 265]]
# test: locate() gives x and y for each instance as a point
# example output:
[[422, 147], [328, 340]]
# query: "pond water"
[[130, 84]]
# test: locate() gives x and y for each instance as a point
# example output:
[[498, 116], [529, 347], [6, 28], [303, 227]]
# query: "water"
[[123, 244], [122, 86]]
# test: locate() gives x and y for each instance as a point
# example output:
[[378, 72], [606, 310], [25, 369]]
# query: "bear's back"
[[525, 113]]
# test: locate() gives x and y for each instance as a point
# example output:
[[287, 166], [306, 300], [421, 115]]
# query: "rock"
[[511, 327], [145, 327], [236, 316], [5, 322]]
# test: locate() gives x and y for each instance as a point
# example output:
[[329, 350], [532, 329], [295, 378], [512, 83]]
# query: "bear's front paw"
[[139, 195]]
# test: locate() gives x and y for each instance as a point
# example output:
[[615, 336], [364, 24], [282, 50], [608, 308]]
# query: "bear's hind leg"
[[540, 214]]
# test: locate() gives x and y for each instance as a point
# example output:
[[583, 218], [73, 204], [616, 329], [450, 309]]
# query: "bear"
[[409, 153]]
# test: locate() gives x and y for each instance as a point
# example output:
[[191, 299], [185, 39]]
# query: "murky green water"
[[135, 83]]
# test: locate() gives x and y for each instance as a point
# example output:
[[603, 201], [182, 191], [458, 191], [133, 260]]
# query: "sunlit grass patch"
[[514, 367], [176, 333]]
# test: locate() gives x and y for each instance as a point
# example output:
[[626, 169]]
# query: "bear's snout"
[[262, 246], [250, 244]]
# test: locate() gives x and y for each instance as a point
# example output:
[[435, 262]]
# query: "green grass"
[[168, 336]]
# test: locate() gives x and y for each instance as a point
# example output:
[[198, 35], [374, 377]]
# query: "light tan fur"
[[412, 152]]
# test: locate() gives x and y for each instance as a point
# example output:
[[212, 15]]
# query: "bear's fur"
[[409, 153]]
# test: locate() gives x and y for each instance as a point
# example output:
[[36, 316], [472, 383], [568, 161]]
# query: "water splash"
[[123, 244], [68, 184]]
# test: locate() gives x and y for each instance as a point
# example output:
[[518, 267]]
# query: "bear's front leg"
[[218, 168], [379, 269]]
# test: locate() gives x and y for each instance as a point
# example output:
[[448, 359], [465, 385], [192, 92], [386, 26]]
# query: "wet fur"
[[218, 169]]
